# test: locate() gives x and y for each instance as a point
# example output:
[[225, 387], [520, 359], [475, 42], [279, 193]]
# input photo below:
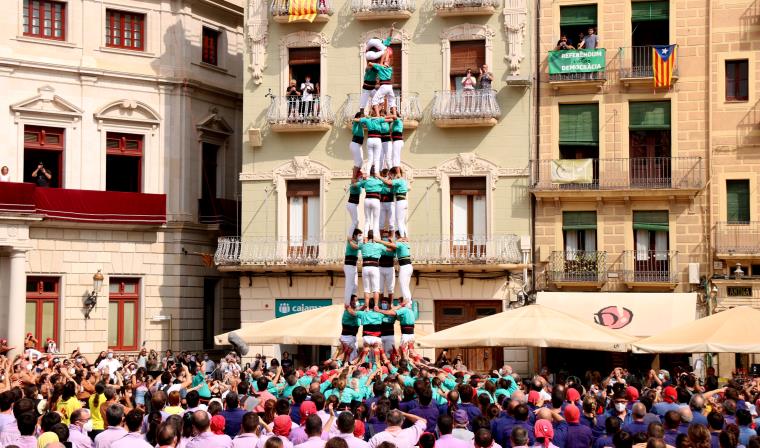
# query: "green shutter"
[[577, 15], [646, 115], [579, 124], [654, 220], [648, 11], [737, 200], [578, 220]]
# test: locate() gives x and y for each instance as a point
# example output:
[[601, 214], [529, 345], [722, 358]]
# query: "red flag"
[[663, 63]]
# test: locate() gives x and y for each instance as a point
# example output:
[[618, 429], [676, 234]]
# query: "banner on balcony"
[[576, 61], [286, 307], [302, 10], [573, 171]]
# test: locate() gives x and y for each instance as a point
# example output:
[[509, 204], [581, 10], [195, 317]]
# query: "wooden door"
[[650, 159], [450, 313]]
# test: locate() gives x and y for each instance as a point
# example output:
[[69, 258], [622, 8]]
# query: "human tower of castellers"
[[385, 207]]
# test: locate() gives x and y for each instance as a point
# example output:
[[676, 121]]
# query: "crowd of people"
[[191, 401]]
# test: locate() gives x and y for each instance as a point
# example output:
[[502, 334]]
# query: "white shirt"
[[307, 96], [404, 438], [5, 177], [131, 440], [313, 442], [112, 365]]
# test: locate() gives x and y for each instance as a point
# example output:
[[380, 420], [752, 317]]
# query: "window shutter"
[[649, 115], [651, 220], [396, 64], [303, 56], [578, 220], [577, 15], [302, 188], [579, 124], [467, 54], [737, 200], [468, 185], [648, 11]]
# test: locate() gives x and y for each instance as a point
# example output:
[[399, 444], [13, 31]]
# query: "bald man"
[[637, 424]]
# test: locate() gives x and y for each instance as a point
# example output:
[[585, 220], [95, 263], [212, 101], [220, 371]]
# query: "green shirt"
[[399, 186], [373, 124], [372, 185], [402, 249], [357, 130], [385, 189], [405, 316], [369, 317], [383, 72], [349, 319], [200, 380], [370, 75], [350, 251], [385, 127], [371, 250], [355, 188], [398, 126]]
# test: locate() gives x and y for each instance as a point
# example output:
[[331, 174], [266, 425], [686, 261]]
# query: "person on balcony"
[[485, 78], [42, 176], [349, 266], [357, 140], [292, 96], [563, 44], [387, 219], [4, 176], [468, 89], [590, 41], [308, 89]]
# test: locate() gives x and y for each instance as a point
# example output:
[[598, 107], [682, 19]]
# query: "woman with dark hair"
[[140, 385], [154, 421], [68, 402], [699, 436]]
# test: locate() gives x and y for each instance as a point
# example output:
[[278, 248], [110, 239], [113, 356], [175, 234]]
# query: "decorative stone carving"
[[47, 103], [469, 164], [302, 167], [302, 39], [129, 111], [257, 33], [214, 127], [515, 26], [465, 31]]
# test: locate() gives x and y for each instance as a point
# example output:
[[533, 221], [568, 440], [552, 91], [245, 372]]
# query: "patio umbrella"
[[730, 331], [530, 326]]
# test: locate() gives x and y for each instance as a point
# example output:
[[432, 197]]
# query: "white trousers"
[[350, 341], [353, 213], [352, 279], [404, 279], [401, 208], [388, 342], [365, 97], [356, 153], [387, 155], [398, 145], [385, 90], [371, 279], [387, 281], [374, 151], [387, 216], [372, 216], [374, 49]]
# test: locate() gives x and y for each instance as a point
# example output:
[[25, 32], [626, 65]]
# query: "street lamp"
[[92, 297]]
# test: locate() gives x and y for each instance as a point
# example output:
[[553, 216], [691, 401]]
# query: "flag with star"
[[663, 63]]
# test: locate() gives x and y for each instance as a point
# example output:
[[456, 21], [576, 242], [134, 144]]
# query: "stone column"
[[17, 301]]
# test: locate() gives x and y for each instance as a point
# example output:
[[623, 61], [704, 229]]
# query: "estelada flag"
[[663, 63], [302, 10]]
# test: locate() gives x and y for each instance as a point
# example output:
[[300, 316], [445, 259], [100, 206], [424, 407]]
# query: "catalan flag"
[[663, 62], [302, 10]]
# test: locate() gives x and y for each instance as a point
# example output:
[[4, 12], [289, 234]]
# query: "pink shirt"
[[263, 440], [109, 436], [402, 438], [24, 442], [132, 440], [449, 441], [353, 441], [210, 440], [245, 440], [78, 438], [313, 442]]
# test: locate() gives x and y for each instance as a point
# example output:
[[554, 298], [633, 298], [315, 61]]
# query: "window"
[[303, 218], [650, 26], [468, 215], [42, 301], [737, 80], [651, 237], [737, 201], [210, 46], [43, 146], [123, 313], [45, 19], [468, 54], [579, 231], [304, 62], [124, 162], [125, 30], [574, 22], [649, 144], [209, 171]]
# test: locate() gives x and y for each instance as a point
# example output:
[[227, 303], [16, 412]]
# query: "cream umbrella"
[[530, 326], [320, 326], [730, 331]]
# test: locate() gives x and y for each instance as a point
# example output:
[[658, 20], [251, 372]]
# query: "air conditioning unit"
[[694, 273]]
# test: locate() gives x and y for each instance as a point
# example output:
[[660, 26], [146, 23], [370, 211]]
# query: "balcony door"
[[649, 144], [651, 237], [579, 233], [43, 146], [42, 307], [575, 20], [650, 25], [303, 62], [303, 219], [450, 313], [468, 217]]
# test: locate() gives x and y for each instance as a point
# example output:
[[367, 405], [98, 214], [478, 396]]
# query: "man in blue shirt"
[[637, 424], [426, 409]]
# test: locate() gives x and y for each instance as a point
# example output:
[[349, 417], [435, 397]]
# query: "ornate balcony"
[[272, 254], [737, 239], [408, 106], [654, 269], [578, 269], [577, 70], [281, 12], [645, 176], [465, 109], [382, 9], [292, 114], [636, 66], [460, 8]]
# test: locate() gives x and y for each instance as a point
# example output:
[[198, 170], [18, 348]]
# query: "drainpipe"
[[708, 172], [537, 138]]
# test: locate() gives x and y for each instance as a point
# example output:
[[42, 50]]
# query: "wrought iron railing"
[[298, 111], [737, 237], [408, 106], [282, 7], [450, 4], [578, 266], [459, 104], [650, 266], [501, 249], [636, 62], [382, 5], [684, 173]]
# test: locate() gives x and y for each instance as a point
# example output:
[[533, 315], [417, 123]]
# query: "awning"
[[635, 314], [731, 331], [530, 326]]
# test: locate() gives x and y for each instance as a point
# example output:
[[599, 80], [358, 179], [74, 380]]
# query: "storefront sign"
[[286, 307], [576, 61]]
